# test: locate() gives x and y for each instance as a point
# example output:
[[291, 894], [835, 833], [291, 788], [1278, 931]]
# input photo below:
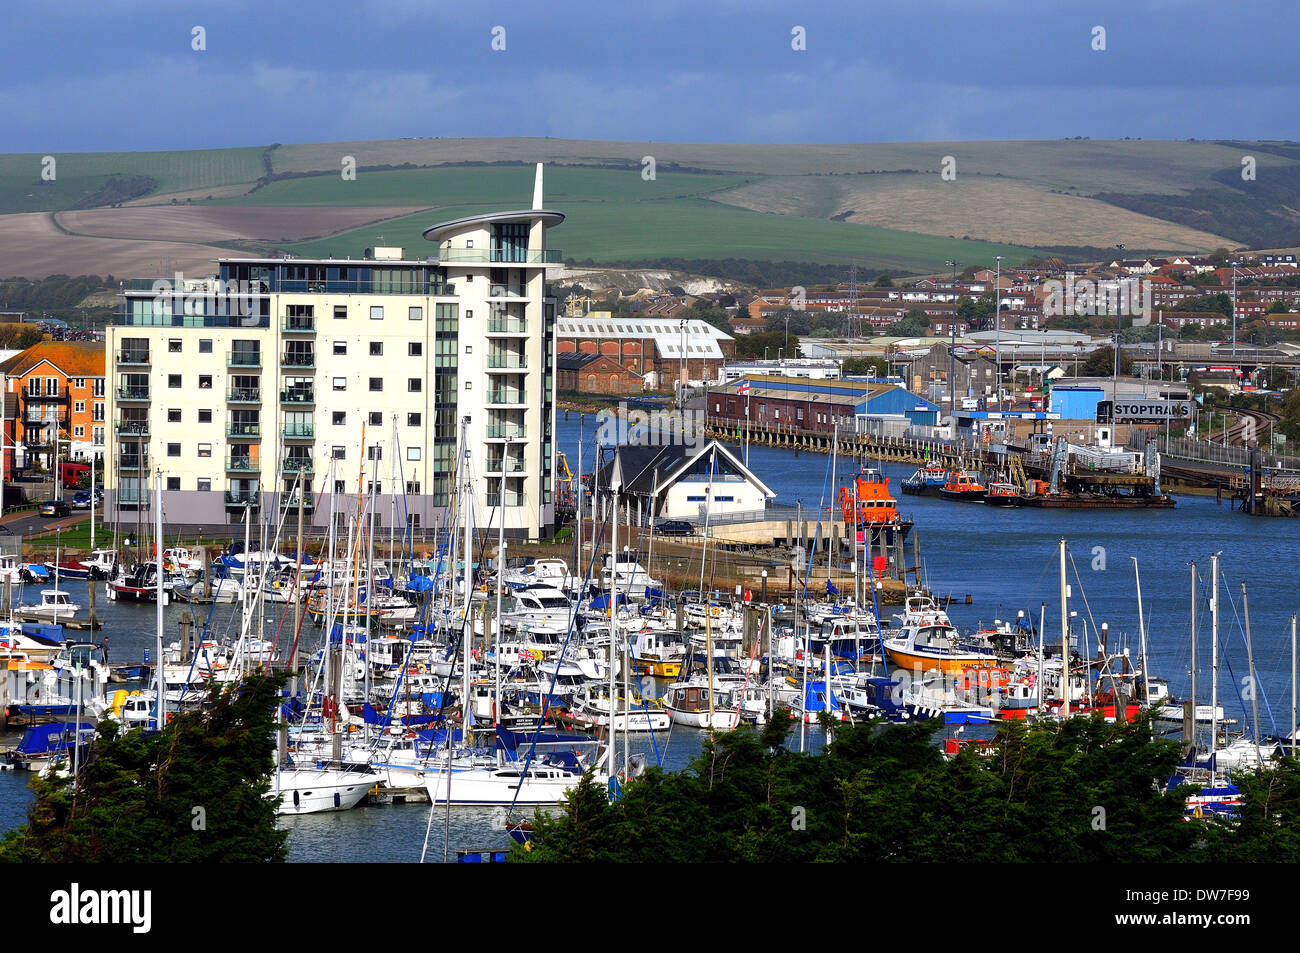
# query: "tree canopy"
[[193, 792], [1080, 791]]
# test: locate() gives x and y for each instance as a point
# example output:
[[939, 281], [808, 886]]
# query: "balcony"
[[298, 432], [36, 418], [512, 499], [297, 465], [507, 291], [506, 432], [45, 397], [244, 395], [133, 461], [132, 428], [298, 359], [241, 463], [289, 503], [506, 398], [243, 497], [133, 393], [244, 359], [502, 256], [130, 498], [133, 356], [298, 395], [298, 324], [246, 430], [506, 465], [507, 362], [505, 324]]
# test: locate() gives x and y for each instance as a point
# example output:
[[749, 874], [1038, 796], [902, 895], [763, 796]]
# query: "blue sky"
[[100, 76]]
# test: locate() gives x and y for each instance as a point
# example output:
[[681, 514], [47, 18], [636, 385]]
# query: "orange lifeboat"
[[875, 505]]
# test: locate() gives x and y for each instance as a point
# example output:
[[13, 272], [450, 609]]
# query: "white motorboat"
[[55, 605], [314, 789]]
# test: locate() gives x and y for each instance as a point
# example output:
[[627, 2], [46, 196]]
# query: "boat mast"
[[1042, 631], [162, 684], [1191, 731], [1142, 636], [835, 443], [1250, 666], [1214, 659], [1065, 639], [1293, 621], [467, 502], [614, 485]]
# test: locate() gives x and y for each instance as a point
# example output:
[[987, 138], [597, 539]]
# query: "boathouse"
[[679, 482], [769, 401]]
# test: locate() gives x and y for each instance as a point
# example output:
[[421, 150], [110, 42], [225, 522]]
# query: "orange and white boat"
[[934, 645], [873, 501], [963, 485]]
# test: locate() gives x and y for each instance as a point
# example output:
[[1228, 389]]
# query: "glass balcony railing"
[[505, 256], [297, 465], [237, 429], [133, 393], [241, 463], [244, 395], [506, 431], [298, 359], [511, 362], [298, 395], [506, 465], [133, 356], [133, 428], [133, 461], [507, 325], [243, 497], [244, 359], [298, 432], [298, 324], [507, 290], [506, 397]]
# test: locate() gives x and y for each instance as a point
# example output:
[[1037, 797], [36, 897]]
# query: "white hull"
[[313, 790], [498, 786]]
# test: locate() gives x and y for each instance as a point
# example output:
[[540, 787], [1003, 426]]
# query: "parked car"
[[81, 500], [55, 508], [674, 528]]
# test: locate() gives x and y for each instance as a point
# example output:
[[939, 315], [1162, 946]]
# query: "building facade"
[[408, 378], [658, 349], [61, 395]]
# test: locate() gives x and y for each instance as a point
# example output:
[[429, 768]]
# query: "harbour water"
[[1004, 558]]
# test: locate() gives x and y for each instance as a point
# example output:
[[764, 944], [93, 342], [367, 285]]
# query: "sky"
[[125, 76]]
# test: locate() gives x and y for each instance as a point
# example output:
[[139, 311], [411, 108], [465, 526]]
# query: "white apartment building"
[[336, 374]]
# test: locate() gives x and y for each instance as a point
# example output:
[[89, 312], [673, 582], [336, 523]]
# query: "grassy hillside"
[[882, 205]]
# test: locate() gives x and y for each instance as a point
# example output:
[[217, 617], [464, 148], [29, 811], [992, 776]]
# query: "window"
[[339, 418], [415, 313], [414, 385], [205, 416], [341, 348], [413, 489], [415, 349], [205, 450], [173, 380], [173, 483], [205, 382], [80, 407], [376, 312], [412, 420], [374, 452], [413, 453], [205, 486], [78, 431], [340, 311], [340, 383], [80, 383], [469, 314], [99, 387], [376, 348], [173, 416], [339, 453], [205, 345], [376, 418], [469, 348], [338, 486], [174, 346], [469, 385], [98, 409], [376, 383], [173, 449], [51, 387], [34, 386]]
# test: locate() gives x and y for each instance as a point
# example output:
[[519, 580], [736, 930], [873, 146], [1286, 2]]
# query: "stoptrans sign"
[[1139, 411]]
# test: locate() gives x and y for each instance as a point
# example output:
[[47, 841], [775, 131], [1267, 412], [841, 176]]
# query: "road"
[[29, 522]]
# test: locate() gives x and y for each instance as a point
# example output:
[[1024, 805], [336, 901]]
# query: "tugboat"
[[963, 485], [1003, 494], [926, 480]]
